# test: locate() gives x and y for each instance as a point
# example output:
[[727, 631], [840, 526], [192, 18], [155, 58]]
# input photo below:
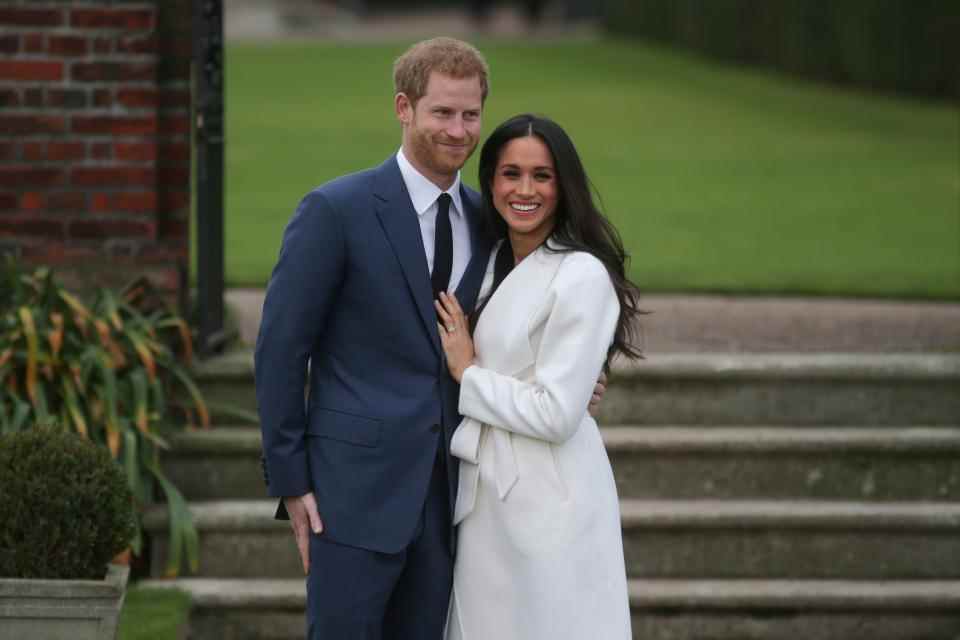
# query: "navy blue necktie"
[[442, 247]]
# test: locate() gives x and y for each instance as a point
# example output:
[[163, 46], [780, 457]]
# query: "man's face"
[[441, 132]]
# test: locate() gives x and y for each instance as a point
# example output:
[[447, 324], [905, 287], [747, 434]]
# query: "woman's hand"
[[454, 335]]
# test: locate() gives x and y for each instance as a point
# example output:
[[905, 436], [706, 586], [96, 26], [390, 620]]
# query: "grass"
[[153, 614], [719, 179]]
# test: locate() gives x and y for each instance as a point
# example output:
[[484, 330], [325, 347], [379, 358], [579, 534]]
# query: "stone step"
[[227, 381], [242, 609], [786, 389], [730, 389], [671, 462], [261, 609], [790, 539], [222, 463], [238, 539], [795, 610], [825, 463], [662, 539], [696, 323]]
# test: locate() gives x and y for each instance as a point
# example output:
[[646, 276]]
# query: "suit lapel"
[[399, 221], [469, 285]]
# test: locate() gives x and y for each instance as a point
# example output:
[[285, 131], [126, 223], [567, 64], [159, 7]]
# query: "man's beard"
[[430, 154]]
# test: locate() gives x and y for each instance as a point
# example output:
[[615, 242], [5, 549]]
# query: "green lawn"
[[153, 614], [719, 179]]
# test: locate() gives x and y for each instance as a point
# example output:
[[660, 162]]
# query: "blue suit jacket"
[[351, 294]]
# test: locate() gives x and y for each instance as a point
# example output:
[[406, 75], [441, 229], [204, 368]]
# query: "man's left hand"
[[598, 390]]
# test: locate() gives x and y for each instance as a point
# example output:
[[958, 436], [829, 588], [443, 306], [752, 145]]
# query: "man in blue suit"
[[363, 466]]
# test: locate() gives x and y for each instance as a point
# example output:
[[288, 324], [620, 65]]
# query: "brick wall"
[[95, 138]]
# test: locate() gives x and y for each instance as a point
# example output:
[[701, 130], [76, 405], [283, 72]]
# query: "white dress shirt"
[[423, 195]]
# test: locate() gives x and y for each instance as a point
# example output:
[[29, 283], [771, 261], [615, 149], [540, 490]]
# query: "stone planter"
[[62, 609]]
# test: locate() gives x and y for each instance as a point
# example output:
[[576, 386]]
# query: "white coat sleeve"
[[582, 317]]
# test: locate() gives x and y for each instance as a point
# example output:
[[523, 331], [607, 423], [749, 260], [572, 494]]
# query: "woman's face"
[[524, 190]]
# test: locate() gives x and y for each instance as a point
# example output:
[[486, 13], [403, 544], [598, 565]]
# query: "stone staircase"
[[763, 497]]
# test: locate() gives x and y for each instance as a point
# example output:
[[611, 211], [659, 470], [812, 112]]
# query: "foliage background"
[[907, 46], [720, 179]]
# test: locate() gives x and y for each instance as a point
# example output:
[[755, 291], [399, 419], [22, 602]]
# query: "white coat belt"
[[465, 444]]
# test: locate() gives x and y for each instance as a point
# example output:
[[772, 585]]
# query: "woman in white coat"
[[539, 548]]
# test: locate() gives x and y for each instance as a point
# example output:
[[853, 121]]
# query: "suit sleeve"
[[302, 291], [580, 326]]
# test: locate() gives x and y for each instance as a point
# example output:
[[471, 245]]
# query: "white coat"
[[539, 551]]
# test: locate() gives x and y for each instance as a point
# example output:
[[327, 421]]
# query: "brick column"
[[95, 138]]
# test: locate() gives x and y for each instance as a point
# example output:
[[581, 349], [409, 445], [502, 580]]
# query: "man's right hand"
[[304, 518]]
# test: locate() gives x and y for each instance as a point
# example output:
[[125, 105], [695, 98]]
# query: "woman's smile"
[[525, 192], [524, 208]]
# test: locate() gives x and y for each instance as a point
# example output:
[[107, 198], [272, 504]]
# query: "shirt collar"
[[424, 193]]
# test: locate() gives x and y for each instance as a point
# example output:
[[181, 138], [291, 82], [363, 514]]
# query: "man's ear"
[[403, 108]]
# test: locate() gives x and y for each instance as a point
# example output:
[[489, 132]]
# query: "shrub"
[[65, 508], [113, 370]]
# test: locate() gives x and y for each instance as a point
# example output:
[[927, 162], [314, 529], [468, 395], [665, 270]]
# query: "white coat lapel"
[[503, 329]]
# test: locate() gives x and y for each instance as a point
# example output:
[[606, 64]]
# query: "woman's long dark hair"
[[578, 223]]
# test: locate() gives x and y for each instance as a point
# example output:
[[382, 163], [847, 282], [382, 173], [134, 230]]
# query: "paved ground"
[[730, 324]]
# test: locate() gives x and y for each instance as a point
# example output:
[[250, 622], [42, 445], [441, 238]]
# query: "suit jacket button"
[[435, 428]]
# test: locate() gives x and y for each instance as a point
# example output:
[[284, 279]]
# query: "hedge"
[[903, 46]]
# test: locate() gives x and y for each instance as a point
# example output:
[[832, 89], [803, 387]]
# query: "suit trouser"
[[358, 594]]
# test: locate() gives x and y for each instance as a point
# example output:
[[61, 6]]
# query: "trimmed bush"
[[65, 509]]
